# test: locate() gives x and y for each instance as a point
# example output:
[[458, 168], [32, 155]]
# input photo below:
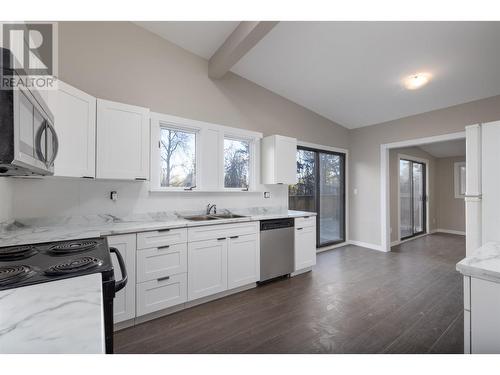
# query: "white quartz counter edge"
[[484, 263], [26, 236]]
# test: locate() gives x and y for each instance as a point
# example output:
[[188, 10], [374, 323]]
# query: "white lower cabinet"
[[243, 260], [484, 317], [207, 267], [305, 244], [161, 293], [124, 302]]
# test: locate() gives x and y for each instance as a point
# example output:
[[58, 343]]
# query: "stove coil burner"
[[72, 247], [17, 252], [73, 266], [14, 274]]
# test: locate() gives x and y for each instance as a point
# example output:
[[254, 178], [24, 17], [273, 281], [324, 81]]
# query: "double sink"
[[212, 217]]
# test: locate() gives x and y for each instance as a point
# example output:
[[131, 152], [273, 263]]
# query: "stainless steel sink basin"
[[212, 217], [200, 218], [227, 216]]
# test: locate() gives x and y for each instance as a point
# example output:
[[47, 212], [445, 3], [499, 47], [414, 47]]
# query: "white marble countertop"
[[64, 316], [42, 230], [484, 263]]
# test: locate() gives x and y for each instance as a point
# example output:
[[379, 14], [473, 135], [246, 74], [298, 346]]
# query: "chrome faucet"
[[209, 208]]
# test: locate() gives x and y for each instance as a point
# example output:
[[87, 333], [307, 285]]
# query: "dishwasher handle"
[[276, 224]]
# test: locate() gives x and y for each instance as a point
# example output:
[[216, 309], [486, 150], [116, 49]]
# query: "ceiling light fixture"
[[415, 81]]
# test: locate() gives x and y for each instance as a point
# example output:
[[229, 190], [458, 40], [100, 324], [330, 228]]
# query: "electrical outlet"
[[113, 196], [267, 194]]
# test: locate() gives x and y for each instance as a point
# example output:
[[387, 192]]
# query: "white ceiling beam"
[[246, 35]]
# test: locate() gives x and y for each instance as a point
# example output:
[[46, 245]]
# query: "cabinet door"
[[124, 303], [484, 316], [207, 268], [75, 117], [305, 247], [286, 160], [122, 141], [243, 260]]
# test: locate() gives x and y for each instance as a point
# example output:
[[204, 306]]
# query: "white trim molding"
[[385, 183], [367, 245], [450, 231]]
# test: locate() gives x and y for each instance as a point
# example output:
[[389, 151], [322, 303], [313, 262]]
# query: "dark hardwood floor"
[[355, 301]]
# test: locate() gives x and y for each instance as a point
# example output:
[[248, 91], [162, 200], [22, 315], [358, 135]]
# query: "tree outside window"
[[178, 158], [236, 163]]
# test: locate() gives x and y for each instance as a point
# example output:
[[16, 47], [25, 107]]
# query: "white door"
[[305, 247], [207, 268], [124, 302], [75, 117], [122, 141], [243, 264]]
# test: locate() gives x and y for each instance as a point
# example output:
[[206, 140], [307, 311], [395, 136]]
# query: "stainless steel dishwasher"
[[276, 248]]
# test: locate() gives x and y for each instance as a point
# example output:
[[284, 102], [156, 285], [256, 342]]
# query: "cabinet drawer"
[[306, 221], [161, 261], [156, 295], [159, 238], [210, 232]]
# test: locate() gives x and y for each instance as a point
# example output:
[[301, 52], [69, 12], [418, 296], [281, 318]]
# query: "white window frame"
[[157, 123], [251, 161], [206, 149], [456, 179]]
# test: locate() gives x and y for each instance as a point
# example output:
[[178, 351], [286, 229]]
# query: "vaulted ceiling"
[[352, 72]]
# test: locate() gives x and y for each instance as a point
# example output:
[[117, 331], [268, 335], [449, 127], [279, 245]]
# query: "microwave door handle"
[[55, 144], [38, 143]]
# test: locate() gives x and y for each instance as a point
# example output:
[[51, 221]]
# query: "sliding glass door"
[[412, 198], [321, 188]]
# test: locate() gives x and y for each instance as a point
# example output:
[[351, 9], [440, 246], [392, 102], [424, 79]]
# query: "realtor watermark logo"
[[29, 55]]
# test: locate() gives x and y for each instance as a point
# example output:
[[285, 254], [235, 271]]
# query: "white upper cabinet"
[[279, 160], [75, 116], [122, 141]]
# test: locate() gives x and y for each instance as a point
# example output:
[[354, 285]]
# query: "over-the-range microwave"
[[28, 140]]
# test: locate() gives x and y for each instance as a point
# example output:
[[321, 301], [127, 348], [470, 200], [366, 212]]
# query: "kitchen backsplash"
[[45, 197]]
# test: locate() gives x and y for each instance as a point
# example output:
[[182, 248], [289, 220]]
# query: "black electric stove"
[[39, 263]]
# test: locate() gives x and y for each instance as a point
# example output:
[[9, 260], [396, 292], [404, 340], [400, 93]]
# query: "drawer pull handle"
[[221, 238], [163, 278], [163, 230], [306, 217], [300, 228], [233, 237], [163, 247]]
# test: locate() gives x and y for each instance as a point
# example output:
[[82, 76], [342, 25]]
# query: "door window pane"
[[331, 198], [418, 192], [178, 158], [405, 204], [412, 195], [236, 163], [302, 196], [320, 188]]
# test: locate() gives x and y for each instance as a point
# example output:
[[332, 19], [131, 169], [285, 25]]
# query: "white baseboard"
[[331, 247], [367, 245], [450, 231], [398, 242]]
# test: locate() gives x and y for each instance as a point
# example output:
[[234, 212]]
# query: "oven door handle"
[[119, 285]]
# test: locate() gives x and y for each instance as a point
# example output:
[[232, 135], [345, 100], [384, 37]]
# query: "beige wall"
[[123, 62], [394, 186], [450, 210], [365, 206]]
